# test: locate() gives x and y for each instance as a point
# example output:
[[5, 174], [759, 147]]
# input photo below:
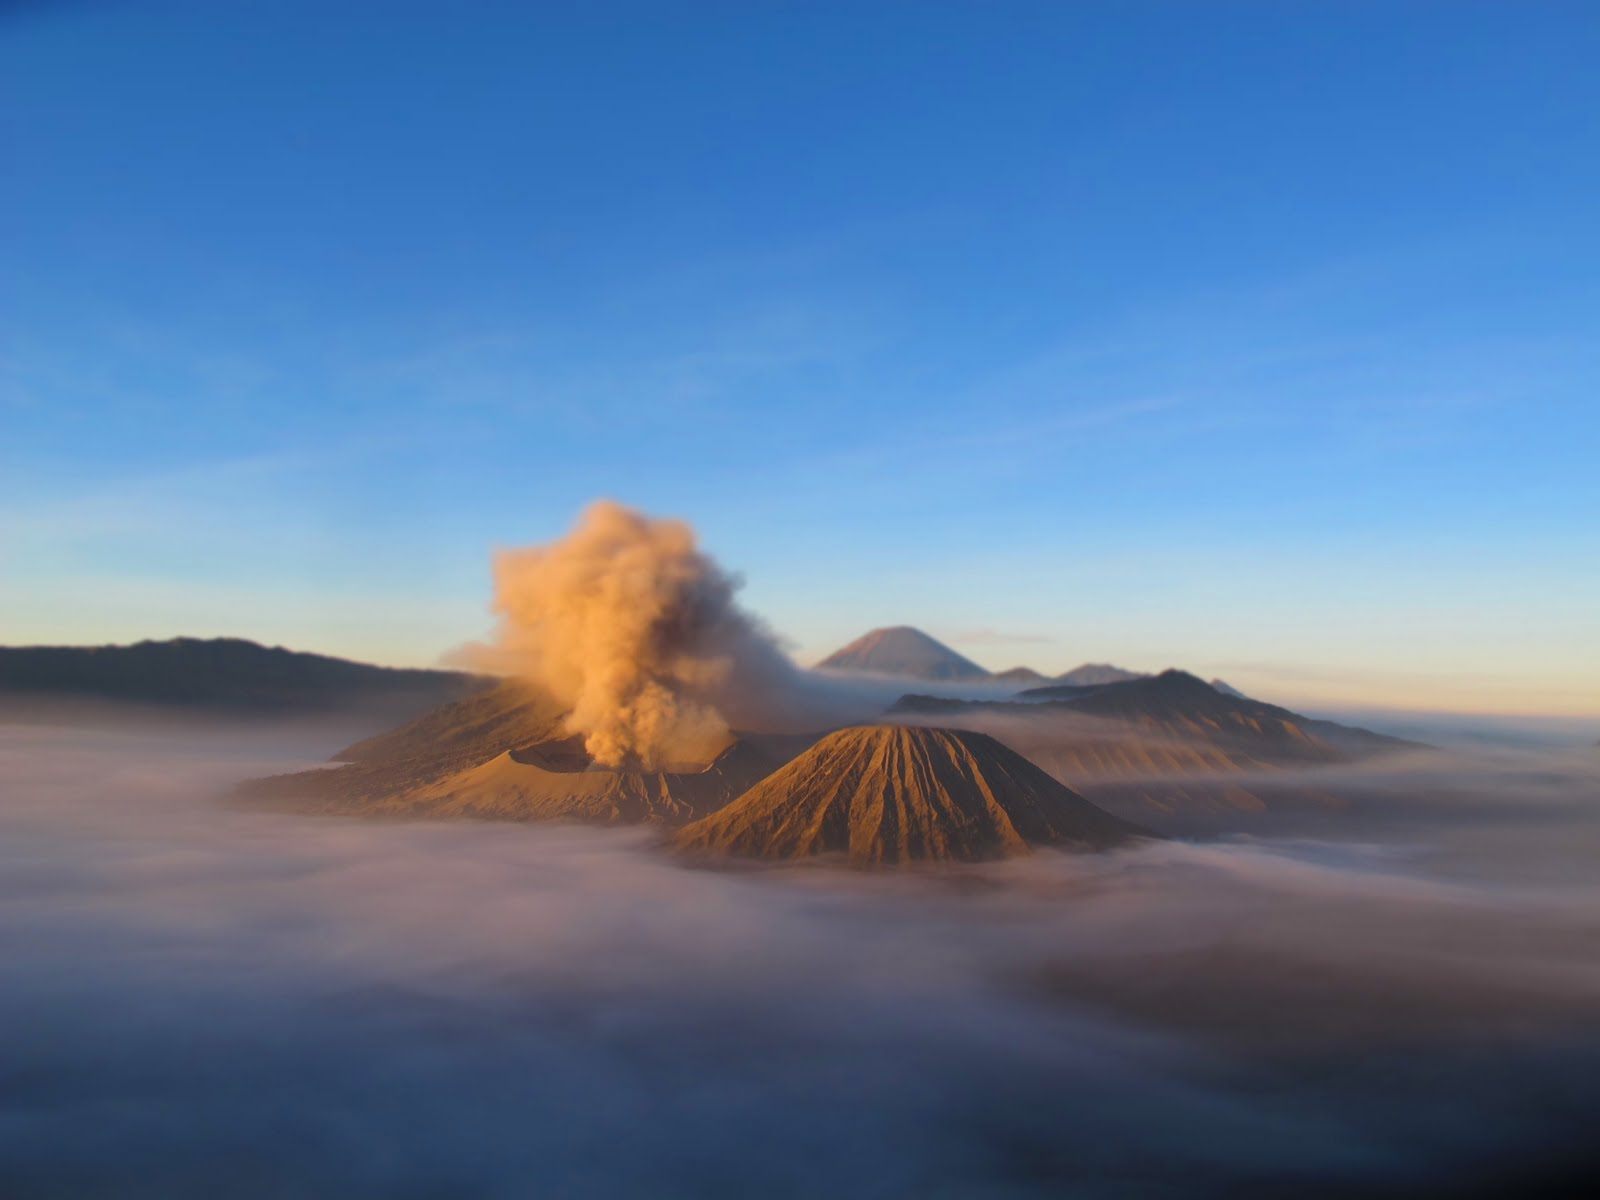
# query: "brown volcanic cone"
[[556, 781], [893, 793], [503, 755]]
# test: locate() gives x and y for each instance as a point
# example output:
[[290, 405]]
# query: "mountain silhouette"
[[226, 675]]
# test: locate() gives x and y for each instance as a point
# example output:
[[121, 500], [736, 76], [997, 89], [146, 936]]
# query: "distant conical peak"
[[905, 651]]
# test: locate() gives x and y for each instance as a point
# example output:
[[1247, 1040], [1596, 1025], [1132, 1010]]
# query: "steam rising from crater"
[[631, 625]]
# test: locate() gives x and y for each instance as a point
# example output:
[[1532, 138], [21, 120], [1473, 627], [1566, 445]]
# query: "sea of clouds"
[[203, 1000]]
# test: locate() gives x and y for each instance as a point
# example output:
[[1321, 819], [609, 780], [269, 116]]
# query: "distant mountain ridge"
[[1094, 674], [911, 654], [220, 674], [1020, 675], [1182, 708], [1168, 748]]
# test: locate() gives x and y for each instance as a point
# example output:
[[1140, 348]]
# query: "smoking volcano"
[[635, 633], [626, 664]]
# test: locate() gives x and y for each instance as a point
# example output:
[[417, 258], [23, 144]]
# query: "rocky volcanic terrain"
[[505, 755]]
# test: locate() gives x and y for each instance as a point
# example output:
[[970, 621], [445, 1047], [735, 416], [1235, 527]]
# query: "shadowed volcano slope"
[[464, 733], [893, 794]]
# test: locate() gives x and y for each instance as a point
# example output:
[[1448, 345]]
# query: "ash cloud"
[[202, 1001], [637, 630]]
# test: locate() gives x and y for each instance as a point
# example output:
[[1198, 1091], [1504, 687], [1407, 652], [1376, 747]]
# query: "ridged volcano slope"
[[893, 794]]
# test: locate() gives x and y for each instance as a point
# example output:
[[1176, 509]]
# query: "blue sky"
[[1260, 338]]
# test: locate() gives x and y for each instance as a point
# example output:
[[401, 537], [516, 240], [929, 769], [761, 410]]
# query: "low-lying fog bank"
[[201, 1000]]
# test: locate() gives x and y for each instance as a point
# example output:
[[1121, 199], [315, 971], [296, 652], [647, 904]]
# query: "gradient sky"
[[1258, 338]]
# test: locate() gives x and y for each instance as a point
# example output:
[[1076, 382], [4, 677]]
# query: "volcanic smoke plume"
[[628, 623]]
